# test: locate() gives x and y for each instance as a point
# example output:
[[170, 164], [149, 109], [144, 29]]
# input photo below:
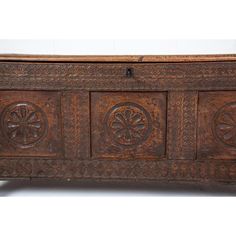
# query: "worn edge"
[[118, 58]]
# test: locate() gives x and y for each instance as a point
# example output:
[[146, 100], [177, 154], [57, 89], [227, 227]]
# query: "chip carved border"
[[83, 125], [183, 170], [75, 109], [70, 119], [107, 70], [182, 125], [95, 76]]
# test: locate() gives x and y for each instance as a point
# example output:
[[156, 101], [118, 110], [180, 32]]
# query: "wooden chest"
[[160, 118]]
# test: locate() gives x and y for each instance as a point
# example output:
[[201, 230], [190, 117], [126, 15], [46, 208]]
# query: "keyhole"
[[129, 72]]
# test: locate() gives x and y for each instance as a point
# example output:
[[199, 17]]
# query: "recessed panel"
[[30, 124], [128, 125], [217, 125]]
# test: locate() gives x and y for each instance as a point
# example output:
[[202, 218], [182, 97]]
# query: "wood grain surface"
[[120, 58], [141, 118]]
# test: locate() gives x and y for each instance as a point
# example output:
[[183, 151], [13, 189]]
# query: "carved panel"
[[30, 124], [217, 125], [24, 124], [112, 76], [224, 124], [128, 125], [76, 117], [161, 170], [182, 125]]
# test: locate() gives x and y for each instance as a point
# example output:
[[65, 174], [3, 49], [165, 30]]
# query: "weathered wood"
[[159, 118], [120, 58], [128, 125], [182, 125]]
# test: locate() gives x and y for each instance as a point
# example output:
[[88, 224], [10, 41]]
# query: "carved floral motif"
[[128, 124], [23, 124], [224, 126]]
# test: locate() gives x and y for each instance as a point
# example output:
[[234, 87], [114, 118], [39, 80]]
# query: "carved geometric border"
[[182, 170], [182, 125], [111, 76], [75, 109]]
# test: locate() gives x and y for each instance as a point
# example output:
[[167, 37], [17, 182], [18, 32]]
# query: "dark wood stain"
[[154, 118]]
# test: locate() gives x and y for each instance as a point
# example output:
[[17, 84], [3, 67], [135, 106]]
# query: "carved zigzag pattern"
[[143, 170]]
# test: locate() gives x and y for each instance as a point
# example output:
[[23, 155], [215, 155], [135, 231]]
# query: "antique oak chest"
[[160, 118]]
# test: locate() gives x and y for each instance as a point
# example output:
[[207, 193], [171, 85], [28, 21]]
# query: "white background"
[[118, 46], [116, 27]]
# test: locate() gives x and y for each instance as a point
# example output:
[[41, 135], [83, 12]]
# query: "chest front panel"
[[119, 121]]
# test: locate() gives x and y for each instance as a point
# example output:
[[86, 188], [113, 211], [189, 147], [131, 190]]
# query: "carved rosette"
[[128, 124], [224, 125], [23, 124]]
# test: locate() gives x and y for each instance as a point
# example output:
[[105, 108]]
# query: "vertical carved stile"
[[75, 107], [69, 107], [83, 124], [182, 125]]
